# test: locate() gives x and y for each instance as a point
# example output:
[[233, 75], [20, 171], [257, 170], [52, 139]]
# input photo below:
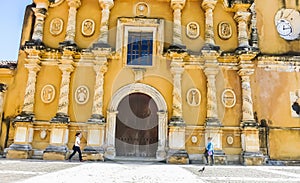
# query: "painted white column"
[[242, 17], [110, 134], [40, 12], [177, 6], [71, 26], [106, 5], [162, 134], [209, 6]]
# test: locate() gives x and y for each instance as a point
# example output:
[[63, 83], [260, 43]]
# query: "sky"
[[11, 20]]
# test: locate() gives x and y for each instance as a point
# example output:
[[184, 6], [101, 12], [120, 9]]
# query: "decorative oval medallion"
[[82, 94], [43, 134], [224, 30], [194, 139], [193, 30], [228, 98], [88, 27], [48, 93], [56, 26], [193, 97], [229, 140], [54, 3], [141, 9]]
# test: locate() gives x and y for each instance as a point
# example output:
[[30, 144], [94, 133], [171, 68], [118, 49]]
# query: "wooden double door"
[[137, 126]]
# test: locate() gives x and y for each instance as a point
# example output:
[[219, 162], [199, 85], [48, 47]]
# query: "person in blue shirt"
[[209, 151]]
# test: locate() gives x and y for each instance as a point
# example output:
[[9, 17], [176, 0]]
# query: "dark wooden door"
[[137, 126]]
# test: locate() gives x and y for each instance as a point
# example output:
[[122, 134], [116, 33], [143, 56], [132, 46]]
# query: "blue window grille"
[[140, 48]]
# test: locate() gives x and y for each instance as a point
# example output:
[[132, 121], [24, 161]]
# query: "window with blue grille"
[[140, 48]]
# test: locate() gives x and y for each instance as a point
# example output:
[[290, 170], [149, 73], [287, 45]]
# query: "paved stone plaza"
[[32, 171]]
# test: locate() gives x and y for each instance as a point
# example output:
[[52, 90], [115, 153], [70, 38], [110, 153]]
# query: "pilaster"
[[57, 148], [33, 66], [211, 70], [110, 151], [209, 6], [177, 6], [100, 68], [40, 12], [66, 68], [71, 25], [106, 5], [251, 154], [242, 17]]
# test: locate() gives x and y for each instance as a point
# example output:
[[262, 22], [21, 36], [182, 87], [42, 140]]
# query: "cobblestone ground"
[[38, 171]]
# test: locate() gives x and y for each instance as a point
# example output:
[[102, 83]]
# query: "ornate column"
[[57, 148], [242, 17], [209, 6], [100, 68], [66, 68], [40, 13], [3, 88], [177, 152], [177, 6], [71, 26], [162, 135], [33, 66], [106, 5], [110, 151], [254, 33], [250, 134], [213, 125]]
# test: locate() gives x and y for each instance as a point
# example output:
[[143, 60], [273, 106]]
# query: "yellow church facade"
[[152, 80]]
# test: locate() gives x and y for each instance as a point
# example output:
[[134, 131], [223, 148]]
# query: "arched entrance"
[[137, 126], [137, 122]]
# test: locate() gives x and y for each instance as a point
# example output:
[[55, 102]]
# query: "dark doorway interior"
[[137, 126]]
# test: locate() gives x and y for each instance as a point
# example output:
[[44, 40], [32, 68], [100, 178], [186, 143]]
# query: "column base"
[[252, 158], [24, 117], [177, 157], [176, 121], [93, 153], [161, 155], [69, 45], [220, 158], [208, 47], [250, 123], [110, 153], [212, 122], [97, 118], [19, 151], [61, 118], [55, 152]]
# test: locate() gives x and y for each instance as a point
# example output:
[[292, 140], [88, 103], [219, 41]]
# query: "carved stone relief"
[[56, 26], [295, 103], [228, 98], [224, 30], [193, 30], [193, 97], [229, 140], [88, 27], [54, 3], [142, 9], [82, 94], [48, 93]]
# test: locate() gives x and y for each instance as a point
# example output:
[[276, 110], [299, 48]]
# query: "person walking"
[[209, 151], [76, 147]]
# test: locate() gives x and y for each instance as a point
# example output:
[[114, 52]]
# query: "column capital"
[[209, 4], [106, 4], [242, 16], [177, 4], [74, 3], [42, 3]]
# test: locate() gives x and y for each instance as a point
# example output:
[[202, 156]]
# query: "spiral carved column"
[[177, 6], [106, 5]]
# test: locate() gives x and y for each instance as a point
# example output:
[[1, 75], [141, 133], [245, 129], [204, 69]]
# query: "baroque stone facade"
[[147, 88]]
